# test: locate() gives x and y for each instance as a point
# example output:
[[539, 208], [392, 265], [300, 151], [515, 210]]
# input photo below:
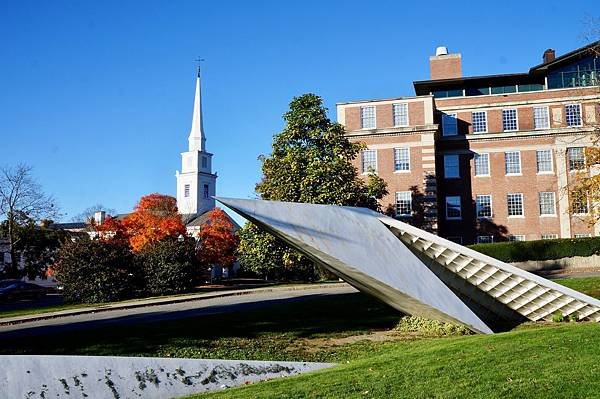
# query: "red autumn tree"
[[218, 240], [153, 218], [111, 229]]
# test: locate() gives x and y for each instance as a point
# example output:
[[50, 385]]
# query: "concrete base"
[[132, 377]]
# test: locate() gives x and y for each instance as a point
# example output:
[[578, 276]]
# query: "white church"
[[196, 183]]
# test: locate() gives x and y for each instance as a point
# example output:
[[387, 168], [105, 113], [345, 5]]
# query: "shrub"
[[424, 326], [96, 271], [169, 266], [521, 251]]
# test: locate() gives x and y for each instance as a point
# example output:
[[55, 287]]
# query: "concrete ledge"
[[132, 377], [583, 263], [158, 301]]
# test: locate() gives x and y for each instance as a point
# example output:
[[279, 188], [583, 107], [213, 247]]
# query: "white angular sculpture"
[[414, 271]]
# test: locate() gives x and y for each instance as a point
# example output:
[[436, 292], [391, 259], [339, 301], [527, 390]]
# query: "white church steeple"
[[196, 184], [196, 139]]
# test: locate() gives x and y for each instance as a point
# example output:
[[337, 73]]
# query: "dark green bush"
[[169, 266], [520, 251], [96, 271]]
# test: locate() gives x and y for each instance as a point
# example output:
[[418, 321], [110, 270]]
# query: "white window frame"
[[363, 118], [364, 170], [481, 155], [519, 173], [399, 106], [397, 151], [485, 121], [537, 162], [567, 106], [186, 190], [452, 156], [478, 206], [480, 239], [553, 214], [516, 120], [508, 204], [569, 157], [587, 207], [449, 117], [547, 111], [550, 236], [398, 198], [453, 197], [582, 235], [516, 237]]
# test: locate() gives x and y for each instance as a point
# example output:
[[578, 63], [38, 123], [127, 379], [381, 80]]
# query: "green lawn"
[[543, 362], [587, 285]]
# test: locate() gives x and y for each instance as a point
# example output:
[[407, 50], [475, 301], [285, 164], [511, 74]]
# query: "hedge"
[[521, 251]]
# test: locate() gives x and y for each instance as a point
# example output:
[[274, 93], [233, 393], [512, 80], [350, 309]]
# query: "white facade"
[[196, 184]]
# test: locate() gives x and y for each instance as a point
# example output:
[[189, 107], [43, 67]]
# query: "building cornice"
[[396, 131], [582, 131]]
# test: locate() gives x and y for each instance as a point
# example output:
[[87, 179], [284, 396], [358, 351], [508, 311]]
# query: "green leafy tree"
[[310, 162]]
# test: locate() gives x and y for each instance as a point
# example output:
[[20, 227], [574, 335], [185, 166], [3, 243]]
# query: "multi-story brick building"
[[485, 158]]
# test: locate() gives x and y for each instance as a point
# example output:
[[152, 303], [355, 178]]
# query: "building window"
[[451, 167], [186, 190], [367, 117], [543, 160], [580, 205], [573, 114], [547, 203], [369, 161], [403, 203], [509, 120], [401, 159], [204, 162], [206, 193], [485, 239], [479, 122], [449, 127], [576, 158], [541, 118], [512, 162], [400, 114], [453, 210], [482, 164], [583, 235], [515, 204], [549, 236], [516, 237], [483, 205]]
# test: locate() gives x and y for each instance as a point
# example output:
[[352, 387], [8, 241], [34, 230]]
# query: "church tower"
[[196, 184]]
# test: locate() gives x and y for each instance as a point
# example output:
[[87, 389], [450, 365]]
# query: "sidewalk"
[[138, 303]]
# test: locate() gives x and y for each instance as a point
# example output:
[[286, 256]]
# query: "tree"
[[88, 214], [22, 202], [217, 240], [153, 218], [96, 271], [311, 162]]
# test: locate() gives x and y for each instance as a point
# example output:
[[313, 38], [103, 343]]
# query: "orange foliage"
[[111, 229], [153, 218], [218, 241]]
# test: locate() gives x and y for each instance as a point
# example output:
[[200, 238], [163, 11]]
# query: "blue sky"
[[97, 96]]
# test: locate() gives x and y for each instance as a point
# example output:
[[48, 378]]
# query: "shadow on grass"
[[254, 330]]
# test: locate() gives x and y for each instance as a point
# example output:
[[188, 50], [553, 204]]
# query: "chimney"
[[444, 66], [99, 217], [549, 55]]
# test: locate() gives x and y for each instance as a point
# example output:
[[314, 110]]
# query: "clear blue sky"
[[97, 96]]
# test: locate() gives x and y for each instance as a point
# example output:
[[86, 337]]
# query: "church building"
[[196, 183]]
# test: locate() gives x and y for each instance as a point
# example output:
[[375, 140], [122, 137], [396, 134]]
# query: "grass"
[[533, 361], [559, 361], [587, 285], [291, 331]]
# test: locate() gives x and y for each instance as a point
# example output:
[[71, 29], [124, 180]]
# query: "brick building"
[[485, 158]]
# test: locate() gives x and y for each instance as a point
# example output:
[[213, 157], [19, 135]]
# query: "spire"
[[196, 138]]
